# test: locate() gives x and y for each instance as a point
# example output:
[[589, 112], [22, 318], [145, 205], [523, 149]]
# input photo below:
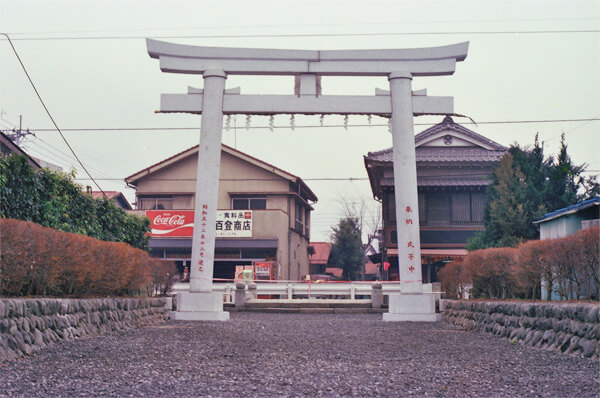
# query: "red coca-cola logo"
[[176, 219], [171, 223]]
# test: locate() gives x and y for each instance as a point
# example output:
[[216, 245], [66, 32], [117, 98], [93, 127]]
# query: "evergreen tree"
[[508, 218], [346, 251], [566, 184], [524, 187]]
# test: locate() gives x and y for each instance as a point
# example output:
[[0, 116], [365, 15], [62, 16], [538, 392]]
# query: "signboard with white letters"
[[180, 223]]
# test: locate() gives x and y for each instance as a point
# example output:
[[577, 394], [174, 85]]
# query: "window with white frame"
[[155, 203], [248, 203]]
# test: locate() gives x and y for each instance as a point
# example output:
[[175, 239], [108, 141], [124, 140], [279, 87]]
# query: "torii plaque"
[[400, 103]]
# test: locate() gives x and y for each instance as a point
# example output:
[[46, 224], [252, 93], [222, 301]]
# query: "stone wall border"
[[28, 325], [572, 328]]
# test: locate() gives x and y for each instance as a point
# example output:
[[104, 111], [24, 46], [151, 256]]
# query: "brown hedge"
[[40, 261], [570, 265]]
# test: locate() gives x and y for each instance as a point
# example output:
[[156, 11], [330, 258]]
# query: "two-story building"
[[263, 217], [454, 165]]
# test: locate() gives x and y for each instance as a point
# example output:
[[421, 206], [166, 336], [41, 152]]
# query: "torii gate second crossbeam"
[[400, 103]]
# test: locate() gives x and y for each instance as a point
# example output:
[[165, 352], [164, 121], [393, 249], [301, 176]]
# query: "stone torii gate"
[[400, 103]]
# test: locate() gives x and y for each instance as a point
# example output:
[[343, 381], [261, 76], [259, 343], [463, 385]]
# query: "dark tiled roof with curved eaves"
[[433, 154], [449, 154]]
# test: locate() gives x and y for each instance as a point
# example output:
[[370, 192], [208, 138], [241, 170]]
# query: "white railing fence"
[[304, 290]]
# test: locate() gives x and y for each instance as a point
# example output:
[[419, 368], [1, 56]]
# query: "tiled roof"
[[448, 154], [457, 154], [449, 124], [436, 154], [322, 250], [458, 181], [109, 194]]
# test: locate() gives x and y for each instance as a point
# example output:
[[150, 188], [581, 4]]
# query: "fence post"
[[252, 290], [240, 294], [290, 291], [169, 303], [376, 295], [352, 292]]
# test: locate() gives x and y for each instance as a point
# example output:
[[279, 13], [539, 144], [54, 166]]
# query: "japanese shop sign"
[[180, 223], [234, 224]]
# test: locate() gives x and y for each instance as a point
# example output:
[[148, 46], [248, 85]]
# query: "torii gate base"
[[416, 307], [200, 306]]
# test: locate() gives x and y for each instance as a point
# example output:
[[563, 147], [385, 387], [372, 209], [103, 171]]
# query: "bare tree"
[[368, 219]]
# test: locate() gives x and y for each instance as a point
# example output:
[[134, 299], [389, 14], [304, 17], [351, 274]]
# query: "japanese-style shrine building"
[[454, 166]]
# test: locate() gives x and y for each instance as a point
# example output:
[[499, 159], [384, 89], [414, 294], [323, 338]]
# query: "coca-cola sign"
[[180, 223], [171, 222], [175, 219]]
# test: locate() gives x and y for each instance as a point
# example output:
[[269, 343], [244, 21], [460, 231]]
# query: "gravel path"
[[272, 355]]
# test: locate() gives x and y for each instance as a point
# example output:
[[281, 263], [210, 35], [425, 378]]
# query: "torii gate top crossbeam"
[[433, 61]]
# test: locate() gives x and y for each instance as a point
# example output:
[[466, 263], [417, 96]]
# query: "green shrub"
[[52, 199]]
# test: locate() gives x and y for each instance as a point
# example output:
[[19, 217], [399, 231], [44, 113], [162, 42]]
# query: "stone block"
[[376, 295], [412, 307], [200, 307]]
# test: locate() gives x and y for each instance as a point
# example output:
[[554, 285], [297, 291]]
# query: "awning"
[[435, 252]]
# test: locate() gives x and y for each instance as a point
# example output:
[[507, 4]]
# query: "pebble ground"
[[298, 355]]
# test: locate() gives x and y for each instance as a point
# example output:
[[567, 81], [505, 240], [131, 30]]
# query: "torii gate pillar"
[[411, 304], [201, 303]]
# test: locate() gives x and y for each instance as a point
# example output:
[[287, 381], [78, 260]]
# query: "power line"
[[92, 129], [314, 179], [47, 111], [62, 157], [238, 179], [71, 159], [289, 35], [403, 22]]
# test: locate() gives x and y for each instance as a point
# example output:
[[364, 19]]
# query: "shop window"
[[258, 253], [454, 208], [461, 208], [227, 253], [438, 207], [179, 252], [158, 252], [248, 203], [478, 200], [157, 203]]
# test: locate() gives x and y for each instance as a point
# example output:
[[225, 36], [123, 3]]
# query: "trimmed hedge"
[[568, 264], [40, 261]]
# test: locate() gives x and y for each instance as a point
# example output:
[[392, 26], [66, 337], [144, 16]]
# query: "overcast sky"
[[89, 62]]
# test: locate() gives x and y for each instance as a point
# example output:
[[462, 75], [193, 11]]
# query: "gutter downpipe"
[[289, 275]]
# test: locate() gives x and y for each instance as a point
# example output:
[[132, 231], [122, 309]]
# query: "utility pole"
[[17, 135]]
